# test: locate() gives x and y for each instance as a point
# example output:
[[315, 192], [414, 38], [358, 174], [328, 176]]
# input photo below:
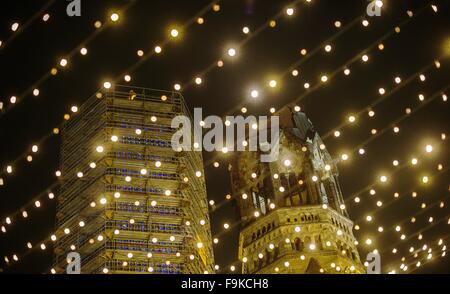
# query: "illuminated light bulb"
[[80, 174], [373, 131], [272, 205], [46, 17], [51, 195], [254, 93], [395, 163], [200, 20], [158, 164], [342, 206], [256, 214], [414, 161], [138, 131], [220, 63], [58, 173], [294, 72], [361, 151], [198, 80], [117, 195], [380, 229], [421, 97], [368, 241], [324, 79], [287, 163], [429, 148], [351, 118], [114, 138], [244, 196], [339, 232], [216, 7], [245, 30], [25, 214], [231, 52], [379, 203], [127, 78], [158, 49], [103, 201], [107, 85], [63, 62], [314, 178], [226, 226], [382, 91], [372, 192], [357, 199], [337, 24], [327, 167], [365, 58], [83, 51], [383, 179], [328, 48], [167, 193], [379, 3], [425, 179], [346, 71], [198, 174], [13, 99], [344, 157], [114, 17], [290, 11], [396, 130], [36, 92], [74, 109], [303, 52], [272, 83], [143, 171], [99, 149], [174, 33], [153, 203], [312, 246], [444, 97], [371, 113], [398, 80], [306, 85], [337, 134], [127, 179]]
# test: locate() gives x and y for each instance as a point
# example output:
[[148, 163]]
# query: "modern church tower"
[[129, 203], [292, 211]]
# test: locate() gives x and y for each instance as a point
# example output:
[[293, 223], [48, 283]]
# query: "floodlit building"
[[292, 211], [128, 202]]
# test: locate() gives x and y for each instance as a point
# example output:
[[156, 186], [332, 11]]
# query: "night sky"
[[26, 56]]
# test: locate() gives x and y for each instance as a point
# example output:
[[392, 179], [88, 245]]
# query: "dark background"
[[33, 52]]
